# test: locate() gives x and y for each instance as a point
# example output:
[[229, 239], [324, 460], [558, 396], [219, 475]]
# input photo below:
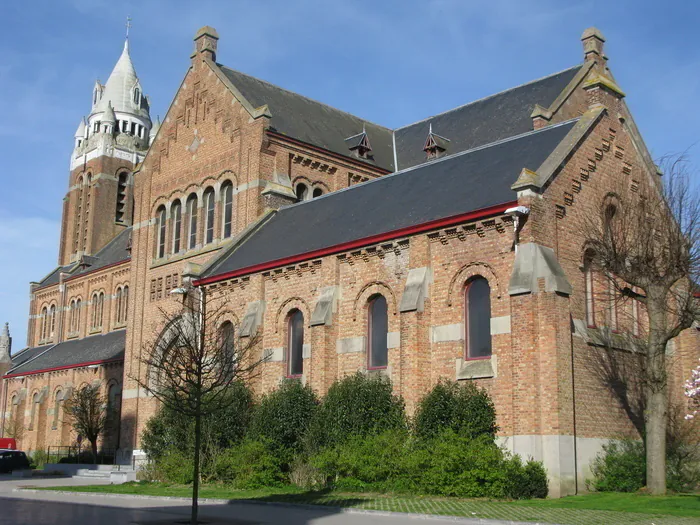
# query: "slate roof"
[[103, 347], [439, 189], [484, 121], [312, 122], [28, 353], [113, 252]]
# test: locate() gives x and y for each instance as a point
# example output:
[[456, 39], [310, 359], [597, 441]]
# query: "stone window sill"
[[476, 368], [73, 335]]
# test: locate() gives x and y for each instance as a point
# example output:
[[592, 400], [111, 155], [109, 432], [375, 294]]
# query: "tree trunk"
[[93, 444], [656, 410], [195, 480]]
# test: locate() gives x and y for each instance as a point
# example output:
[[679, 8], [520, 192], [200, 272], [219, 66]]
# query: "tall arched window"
[[34, 412], [227, 197], [57, 403], [121, 197], [44, 323], [378, 328], [125, 303], [589, 288], [192, 220], [137, 96], [226, 338], [302, 191], [477, 317], [295, 343], [52, 320], [176, 213], [97, 309], [209, 218], [76, 326], [161, 232], [71, 317], [118, 305]]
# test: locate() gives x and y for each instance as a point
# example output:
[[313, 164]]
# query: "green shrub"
[[362, 463], [169, 429], [39, 459], [283, 417], [357, 405], [620, 467], [173, 466], [525, 481], [466, 409], [249, 465]]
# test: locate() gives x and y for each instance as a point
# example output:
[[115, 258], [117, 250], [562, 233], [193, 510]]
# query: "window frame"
[[192, 222], [371, 304], [227, 210], [290, 344], [467, 320], [176, 215], [161, 232], [589, 290], [209, 215]]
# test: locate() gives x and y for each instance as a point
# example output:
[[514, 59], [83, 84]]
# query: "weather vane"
[[128, 25]]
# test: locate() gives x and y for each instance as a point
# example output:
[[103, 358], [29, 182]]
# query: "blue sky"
[[391, 62]]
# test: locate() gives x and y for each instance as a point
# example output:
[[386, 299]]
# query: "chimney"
[[205, 42], [593, 42]]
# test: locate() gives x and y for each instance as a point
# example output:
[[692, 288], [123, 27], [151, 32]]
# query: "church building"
[[447, 248]]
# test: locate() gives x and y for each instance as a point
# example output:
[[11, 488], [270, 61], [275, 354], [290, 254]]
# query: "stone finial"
[[593, 41], [205, 42]]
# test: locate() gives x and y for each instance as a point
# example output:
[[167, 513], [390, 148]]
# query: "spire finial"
[[128, 26], [430, 131]]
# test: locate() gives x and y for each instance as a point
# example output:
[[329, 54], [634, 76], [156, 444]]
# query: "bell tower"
[[109, 144]]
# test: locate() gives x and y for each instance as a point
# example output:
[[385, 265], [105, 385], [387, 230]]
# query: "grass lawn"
[[589, 509]]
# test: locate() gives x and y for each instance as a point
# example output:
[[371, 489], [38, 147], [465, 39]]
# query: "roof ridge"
[[489, 96], [436, 161], [305, 97]]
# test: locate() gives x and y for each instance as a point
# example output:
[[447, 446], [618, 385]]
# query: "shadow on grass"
[[324, 497]]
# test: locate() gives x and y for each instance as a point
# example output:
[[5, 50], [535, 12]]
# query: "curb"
[[340, 510]]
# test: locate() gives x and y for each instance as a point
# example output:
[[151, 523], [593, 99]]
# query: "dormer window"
[[359, 144], [137, 96], [435, 145]]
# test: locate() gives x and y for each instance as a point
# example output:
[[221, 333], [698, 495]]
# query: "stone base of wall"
[[557, 453]]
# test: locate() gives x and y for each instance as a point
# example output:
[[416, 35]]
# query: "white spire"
[[123, 89], [5, 345]]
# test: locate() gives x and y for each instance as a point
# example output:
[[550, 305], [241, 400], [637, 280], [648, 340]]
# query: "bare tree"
[[88, 415], [646, 245], [193, 360]]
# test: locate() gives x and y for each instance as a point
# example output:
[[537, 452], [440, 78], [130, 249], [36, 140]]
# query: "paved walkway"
[[48, 508]]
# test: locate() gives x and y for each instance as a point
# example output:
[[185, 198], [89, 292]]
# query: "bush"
[[249, 465], [168, 429], [357, 405], [283, 417], [449, 465], [365, 463], [465, 409], [620, 467], [174, 466]]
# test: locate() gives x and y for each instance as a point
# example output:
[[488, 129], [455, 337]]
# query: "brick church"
[[446, 248]]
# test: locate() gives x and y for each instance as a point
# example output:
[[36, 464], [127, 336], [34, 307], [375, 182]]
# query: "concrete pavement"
[[20, 507]]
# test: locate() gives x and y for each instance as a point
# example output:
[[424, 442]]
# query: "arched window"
[[302, 191], [137, 96], [114, 401], [76, 326], [71, 318], [192, 219], [118, 306], [97, 309], [161, 232], [227, 195], [317, 192], [378, 327], [121, 197], [58, 402], [226, 338], [295, 343], [52, 320], [209, 218], [35, 411], [176, 213], [125, 303], [589, 288], [477, 318], [44, 323]]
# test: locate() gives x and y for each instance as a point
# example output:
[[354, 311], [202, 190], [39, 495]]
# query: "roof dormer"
[[435, 145], [359, 144]]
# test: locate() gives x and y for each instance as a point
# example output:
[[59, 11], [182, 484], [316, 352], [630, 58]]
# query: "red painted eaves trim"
[[351, 245], [66, 367]]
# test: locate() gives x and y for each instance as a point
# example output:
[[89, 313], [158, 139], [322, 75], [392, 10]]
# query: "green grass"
[[589, 509]]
